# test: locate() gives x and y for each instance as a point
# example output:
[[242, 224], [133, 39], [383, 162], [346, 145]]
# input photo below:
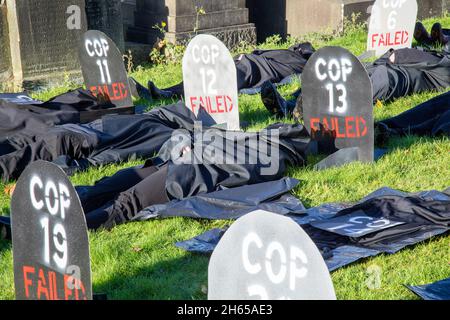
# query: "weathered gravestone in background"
[[269, 257], [210, 82], [106, 16], [49, 233], [337, 106], [391, 25], [42, 45], [5, 55], [104, 70]]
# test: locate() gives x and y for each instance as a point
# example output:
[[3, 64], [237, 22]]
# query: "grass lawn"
[[140, 261]]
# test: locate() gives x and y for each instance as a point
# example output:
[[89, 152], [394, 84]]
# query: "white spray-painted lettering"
[[55, 202], [99, 48], [337, 71], [289, 261]]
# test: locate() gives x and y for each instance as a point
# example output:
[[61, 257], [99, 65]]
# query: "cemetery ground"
[[140, 261]]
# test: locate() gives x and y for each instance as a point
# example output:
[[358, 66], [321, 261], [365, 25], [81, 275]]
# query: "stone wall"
[[226, 19], [299, 17]]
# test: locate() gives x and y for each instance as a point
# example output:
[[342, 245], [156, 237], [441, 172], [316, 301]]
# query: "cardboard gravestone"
[[210, 82], [356, 225], [50, 240], [391, 25], [337, 106], [104, 70], [264, 256]]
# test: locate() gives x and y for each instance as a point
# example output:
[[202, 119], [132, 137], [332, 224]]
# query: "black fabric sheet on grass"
[[413, 218], [439, 290], [431, 118]]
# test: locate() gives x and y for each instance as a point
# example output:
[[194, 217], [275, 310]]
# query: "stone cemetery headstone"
[[18, 98], [48, 40], [356, 225], [264, 256], [103, 68], [337, 105], [50, 240], [210, 82], [391, 25]]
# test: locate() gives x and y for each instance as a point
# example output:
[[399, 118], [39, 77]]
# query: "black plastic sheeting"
[[342, 252], [436, 291], [231, 203]]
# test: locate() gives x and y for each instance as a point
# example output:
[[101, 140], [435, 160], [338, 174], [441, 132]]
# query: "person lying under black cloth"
[[119, 198], [396, 74], [431, 118], [62, 109], [28, 136], [252, 70]]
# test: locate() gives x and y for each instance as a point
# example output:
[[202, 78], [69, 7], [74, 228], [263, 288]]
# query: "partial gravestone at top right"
[[391, 25]]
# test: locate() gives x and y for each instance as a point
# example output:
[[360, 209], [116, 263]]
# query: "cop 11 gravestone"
[[210, 82], [265, 256], [391, 25], [49, 237], [337, 106], [104, 72]]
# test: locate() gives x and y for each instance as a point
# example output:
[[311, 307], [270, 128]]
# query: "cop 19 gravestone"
[[210, 82], [337, 106], [391, 25], [268, 257], [50, 240]]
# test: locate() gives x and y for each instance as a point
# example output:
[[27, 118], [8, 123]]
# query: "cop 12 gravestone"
[[337, 106], [49, 236], [391, 25], [210, 82], [104, 73], [265, 256]]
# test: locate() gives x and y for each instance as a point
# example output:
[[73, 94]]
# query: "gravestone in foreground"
[[264, 256], [210, 82], [337, 106], [391, 25], [50, 240]]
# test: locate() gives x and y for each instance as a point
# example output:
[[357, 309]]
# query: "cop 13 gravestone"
[[103, 68], [265, 256], [50, 240], [210, 82], [337, 106], [391, 25]]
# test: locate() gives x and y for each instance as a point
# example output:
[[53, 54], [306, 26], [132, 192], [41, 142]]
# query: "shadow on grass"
[[178, 279]]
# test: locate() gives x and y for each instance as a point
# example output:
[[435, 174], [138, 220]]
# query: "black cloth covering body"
[[37, 118], [255, 68], [397, 74], [51, 132], [413, 71], [431, 118], [263, 157]]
